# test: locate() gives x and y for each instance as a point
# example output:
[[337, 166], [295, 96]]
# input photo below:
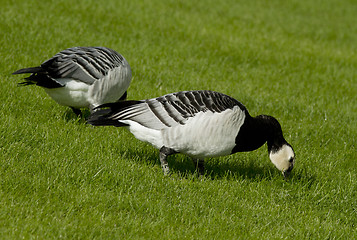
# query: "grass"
[[295, 60]]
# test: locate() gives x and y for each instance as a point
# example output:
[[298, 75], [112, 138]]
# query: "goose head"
[[283, 158], [281, 153]]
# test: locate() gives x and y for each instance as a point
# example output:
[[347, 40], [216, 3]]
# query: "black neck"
[[256, 131]]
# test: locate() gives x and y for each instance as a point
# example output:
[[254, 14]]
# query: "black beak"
[[287, 172]]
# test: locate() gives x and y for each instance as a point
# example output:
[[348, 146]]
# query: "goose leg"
[[164, 153], [76, 111], [200, 164]]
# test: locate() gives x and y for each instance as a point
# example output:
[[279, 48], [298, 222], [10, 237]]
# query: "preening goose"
[[82, 77], [200, 124]]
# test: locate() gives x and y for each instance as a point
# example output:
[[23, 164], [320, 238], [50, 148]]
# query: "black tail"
[[103, 115], [102, 118], [29, 70], [39, 77]]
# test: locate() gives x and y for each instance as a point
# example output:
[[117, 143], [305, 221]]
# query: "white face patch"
[[284, 158]]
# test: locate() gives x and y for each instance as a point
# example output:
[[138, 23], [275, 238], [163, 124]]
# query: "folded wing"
[[166, 111], [86, 64]]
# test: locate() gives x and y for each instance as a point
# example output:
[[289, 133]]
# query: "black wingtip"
[[98, 117], [116, 106], [28, 70], [102, 115]]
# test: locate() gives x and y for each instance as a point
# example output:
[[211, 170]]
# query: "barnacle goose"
[[200, 124], [82, 77]]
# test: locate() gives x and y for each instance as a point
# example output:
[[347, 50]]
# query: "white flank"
[[144, 134], [111, 87], [207, 134], [82, 95], [74, 93]]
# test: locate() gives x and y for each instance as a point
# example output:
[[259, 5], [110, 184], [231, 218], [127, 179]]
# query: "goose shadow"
[[215, 168]]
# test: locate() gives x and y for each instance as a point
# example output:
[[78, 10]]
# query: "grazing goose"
[[82, 77], [200, 124]]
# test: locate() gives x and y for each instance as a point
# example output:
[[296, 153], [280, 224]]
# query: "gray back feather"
[[86, 64], [175, 108]]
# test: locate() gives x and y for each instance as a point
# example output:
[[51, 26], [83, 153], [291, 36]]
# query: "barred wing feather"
[[86, 64], [173, 109]]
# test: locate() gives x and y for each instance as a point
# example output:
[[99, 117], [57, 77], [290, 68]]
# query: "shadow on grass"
[[244, 169], [217, 168], [305, 177]]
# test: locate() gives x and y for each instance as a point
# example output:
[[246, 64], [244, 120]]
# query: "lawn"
[[295, 60]]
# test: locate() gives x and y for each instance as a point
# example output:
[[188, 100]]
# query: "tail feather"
[[102, 115], [118, 106], [29, 70], [39, 77], [100, 118]]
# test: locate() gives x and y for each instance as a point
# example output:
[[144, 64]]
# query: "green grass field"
[[296, 60]]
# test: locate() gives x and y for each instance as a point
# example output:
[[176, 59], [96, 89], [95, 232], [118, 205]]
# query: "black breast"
[[252, 135]]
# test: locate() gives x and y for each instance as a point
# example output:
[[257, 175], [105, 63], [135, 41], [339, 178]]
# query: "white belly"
[[144, 134], [73, 94], [79, 94]]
